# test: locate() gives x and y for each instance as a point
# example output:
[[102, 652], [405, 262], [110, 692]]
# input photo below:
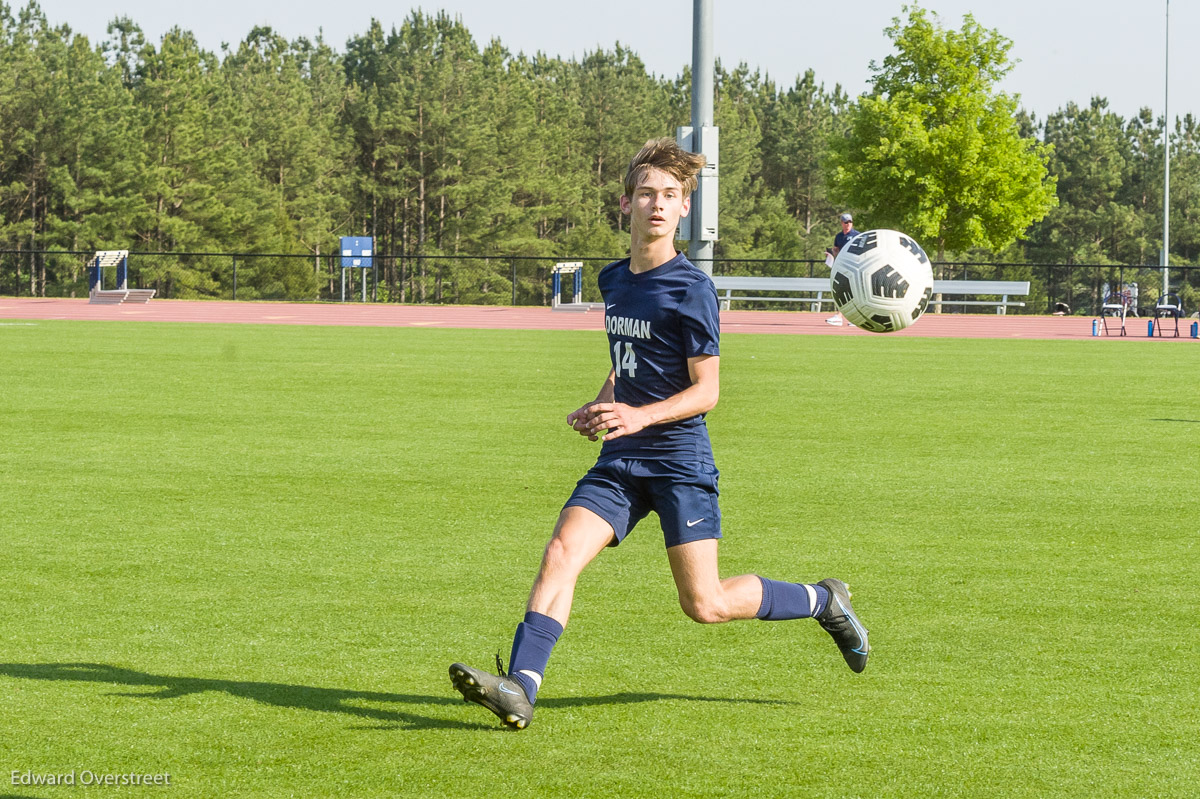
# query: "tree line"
[[436, 144]]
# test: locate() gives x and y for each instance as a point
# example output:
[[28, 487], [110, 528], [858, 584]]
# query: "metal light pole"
[[1166, 242], [700, 226]]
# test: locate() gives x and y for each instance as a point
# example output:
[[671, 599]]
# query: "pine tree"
[[295, 152], [797, 126]]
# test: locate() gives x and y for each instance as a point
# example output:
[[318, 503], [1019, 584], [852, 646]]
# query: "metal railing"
[[523, 280]]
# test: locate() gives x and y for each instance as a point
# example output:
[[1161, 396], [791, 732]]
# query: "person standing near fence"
[[839, 241]]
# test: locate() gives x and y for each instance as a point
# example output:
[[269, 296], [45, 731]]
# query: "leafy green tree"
[[935, 149]]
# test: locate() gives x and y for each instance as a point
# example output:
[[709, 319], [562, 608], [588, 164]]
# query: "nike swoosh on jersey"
[[694, 523]]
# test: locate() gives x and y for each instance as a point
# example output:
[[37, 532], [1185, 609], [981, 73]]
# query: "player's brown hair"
[[668, 156]]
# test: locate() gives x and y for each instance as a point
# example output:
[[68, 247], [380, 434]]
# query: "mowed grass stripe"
[[245, 556]]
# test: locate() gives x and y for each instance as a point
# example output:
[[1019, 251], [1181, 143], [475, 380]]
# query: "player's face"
[[656, 206]]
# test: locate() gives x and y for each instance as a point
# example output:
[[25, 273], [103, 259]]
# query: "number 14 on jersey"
[[626, 363]]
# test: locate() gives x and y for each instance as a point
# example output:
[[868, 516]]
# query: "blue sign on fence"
[[358, 252]]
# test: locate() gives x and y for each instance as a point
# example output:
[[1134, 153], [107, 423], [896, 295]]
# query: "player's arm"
[[622, 420], [578, 418]]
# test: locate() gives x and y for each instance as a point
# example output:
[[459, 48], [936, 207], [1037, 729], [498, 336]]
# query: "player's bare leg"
[[708, 599], [703, 595], [579, 536]]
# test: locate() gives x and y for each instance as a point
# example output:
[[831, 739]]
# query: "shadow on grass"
[[1184, 421], [626, 698], [323, 700], [304, 697]]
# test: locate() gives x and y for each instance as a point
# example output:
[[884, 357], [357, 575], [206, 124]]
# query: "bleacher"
[[98, 295]]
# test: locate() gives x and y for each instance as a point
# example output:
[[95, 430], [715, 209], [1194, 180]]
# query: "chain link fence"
[[523, 280]]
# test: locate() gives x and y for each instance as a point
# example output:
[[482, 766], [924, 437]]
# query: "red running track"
[[931, 325]]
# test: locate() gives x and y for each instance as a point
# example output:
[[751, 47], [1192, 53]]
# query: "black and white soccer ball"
[[882, 281]]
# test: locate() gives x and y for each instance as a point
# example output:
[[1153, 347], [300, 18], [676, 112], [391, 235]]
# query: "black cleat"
[[503, 696], [838, 620]]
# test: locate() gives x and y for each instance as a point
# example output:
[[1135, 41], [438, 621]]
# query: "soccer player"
[[663, 341]]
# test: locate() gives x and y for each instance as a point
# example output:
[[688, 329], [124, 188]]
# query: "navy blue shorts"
[[624, 491]]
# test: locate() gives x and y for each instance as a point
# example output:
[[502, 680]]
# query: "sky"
[[1113, 49]]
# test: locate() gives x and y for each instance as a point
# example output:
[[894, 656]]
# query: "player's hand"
[[609, 420], [578, 420]]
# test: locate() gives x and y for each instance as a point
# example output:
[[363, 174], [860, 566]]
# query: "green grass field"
[[245, 556]]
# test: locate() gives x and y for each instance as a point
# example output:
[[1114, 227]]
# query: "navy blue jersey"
[[656, 320], [839, 241]]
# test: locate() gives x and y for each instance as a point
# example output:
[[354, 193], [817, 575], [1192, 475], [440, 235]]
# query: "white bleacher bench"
[[119, 296], [139, 295], [979, 288], [816, 291], [108, 297]]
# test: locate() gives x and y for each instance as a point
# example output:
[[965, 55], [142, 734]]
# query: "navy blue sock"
[[791, 600], [532, 644]]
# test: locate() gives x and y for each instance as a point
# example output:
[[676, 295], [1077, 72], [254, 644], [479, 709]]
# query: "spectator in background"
[[839, 241], [847, 232]]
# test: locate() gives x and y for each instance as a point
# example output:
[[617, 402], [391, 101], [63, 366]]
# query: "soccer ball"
[[881, 281]]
